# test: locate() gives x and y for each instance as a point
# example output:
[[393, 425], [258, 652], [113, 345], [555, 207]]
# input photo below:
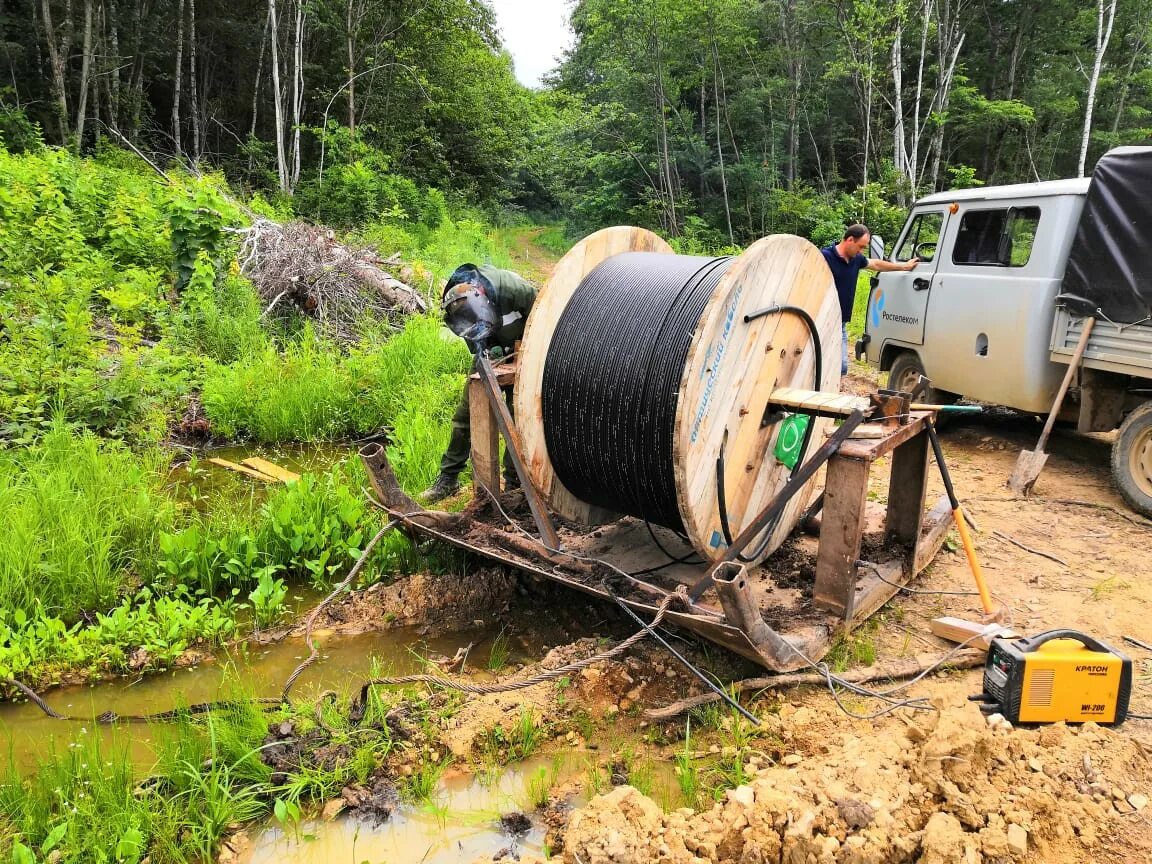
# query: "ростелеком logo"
[[877, 306]]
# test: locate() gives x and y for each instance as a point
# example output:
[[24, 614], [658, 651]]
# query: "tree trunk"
[[85, 77], [912, 151], [1103, 35], [57, 58], [178, 86], [113, 42], [297, 92], [277, 98], [719, 146], [193, 94], [136, 80], [671, 222], [899, 153], [950, 40], [351, 45], [256, 88]]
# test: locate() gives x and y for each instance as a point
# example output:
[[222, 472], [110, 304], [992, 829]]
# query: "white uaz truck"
[[1007, 277]]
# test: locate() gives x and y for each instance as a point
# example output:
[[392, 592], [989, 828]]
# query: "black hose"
[[818, 375]]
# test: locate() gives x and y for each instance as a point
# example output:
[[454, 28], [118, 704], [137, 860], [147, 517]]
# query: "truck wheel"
[[1132, 459], [906, 371]]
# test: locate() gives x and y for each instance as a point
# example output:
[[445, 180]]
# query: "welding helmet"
[[470, 306]]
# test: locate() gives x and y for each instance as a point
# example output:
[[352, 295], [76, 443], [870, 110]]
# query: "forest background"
[[716, 120]]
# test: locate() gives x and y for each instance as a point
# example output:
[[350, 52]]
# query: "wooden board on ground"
[[977, 635], [271, 469], [243, 469]]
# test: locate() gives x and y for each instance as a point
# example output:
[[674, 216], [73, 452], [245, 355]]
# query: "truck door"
[[899, 303]]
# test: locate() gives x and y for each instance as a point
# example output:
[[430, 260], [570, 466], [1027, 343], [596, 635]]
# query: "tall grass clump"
[[313, 392], [85, 804], [78, 806], [81, 519], [300, 394]]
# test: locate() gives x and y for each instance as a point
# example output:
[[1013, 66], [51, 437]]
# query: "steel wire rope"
[[612, 378]]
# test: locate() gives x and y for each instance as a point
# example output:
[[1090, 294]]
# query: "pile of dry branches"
[[303, 266]]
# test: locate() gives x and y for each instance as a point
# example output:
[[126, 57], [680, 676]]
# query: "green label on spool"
[[791, 439]]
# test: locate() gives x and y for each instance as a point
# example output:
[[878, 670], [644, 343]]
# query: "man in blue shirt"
[[846, 260]]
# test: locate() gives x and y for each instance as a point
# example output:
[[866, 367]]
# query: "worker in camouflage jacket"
[[488, 308]]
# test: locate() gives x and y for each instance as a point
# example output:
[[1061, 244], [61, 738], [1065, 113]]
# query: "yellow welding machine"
[[1058, 675]]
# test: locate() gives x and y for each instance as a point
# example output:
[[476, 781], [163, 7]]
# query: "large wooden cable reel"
[[731, 369]]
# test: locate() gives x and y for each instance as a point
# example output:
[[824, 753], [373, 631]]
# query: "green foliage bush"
[[86, 249], [18, 134]]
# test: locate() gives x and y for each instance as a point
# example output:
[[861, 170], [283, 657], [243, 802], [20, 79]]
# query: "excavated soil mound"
[[952, 790]]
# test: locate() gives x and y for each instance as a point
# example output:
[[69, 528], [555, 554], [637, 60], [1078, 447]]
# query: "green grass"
[[857, 648], [554, 239], [498, 655], [313, 392], [687, 773], [859, 309], [81, 518]]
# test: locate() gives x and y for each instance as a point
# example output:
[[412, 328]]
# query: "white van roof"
[[1075, 186]]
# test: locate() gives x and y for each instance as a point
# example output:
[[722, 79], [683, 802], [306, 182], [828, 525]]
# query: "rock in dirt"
[[622, 826], [515, 824], [946, 843], [1018, 841], [856, 814]]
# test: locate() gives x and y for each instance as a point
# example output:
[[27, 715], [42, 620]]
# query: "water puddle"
[[466, 819], [200, 483], [345, 660]]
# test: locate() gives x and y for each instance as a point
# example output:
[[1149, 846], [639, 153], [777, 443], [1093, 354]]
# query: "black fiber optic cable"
[[612, 380]]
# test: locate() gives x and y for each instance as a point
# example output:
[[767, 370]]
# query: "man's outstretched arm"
[[879, 265]]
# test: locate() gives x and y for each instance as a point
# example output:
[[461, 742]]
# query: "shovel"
[[1030, 463]]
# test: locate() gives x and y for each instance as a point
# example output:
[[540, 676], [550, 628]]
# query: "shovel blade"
[[1029, 464]]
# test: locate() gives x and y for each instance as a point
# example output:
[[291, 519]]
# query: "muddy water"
[[462, 823], [345, 661], [199, 482]]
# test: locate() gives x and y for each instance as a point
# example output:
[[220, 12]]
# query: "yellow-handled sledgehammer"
[[961, 525]]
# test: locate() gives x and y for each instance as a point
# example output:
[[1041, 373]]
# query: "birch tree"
[[278, 99], [1104, 21], [177, 87], [85, 80]]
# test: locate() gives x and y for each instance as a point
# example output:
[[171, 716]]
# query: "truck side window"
[[997, 238], [921, 237]]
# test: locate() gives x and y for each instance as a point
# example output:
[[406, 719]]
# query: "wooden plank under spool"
[[839, 404], [271, 469], [243, 469], [550, 304]]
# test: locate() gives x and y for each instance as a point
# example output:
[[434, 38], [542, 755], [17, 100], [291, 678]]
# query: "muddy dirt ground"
[[937, 786]]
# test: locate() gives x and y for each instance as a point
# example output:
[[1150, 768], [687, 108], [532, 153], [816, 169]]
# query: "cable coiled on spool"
[[612, 378]]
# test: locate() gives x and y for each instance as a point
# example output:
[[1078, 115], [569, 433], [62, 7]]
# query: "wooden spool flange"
[[731, 370]]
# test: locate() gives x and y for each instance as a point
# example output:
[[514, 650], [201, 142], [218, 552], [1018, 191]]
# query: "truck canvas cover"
[[1108, 268]]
